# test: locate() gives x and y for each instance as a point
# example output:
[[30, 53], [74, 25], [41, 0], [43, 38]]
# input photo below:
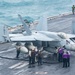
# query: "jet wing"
[[42, 37], [22, 38], [34, 37], [15, 35]]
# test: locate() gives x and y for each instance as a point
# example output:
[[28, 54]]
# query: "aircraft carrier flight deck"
[[11, 66]]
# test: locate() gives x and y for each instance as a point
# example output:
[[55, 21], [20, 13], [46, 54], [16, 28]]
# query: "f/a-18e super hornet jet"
[[44, 37]]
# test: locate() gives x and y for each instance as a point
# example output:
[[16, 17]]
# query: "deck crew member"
[[64, 59], [18, 44], [60, 53], [56, 53], [33, 53], [73, 9], [30, 60], [39, 58], [68, 58]]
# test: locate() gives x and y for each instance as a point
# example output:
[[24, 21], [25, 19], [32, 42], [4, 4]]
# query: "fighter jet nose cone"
[[71, 47]]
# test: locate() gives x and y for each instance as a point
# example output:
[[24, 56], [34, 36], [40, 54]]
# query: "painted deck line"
[[23, 65], [19, 65], [8, 50]]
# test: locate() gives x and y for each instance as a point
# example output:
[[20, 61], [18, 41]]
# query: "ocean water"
[[9, 9]]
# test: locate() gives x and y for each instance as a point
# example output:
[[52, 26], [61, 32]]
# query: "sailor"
[[33, 53], [68, 58], [60, 53], [39, 58], [30, 58], [73, 9], [56, 52], [18, 45], [64, 59], [36, 54]]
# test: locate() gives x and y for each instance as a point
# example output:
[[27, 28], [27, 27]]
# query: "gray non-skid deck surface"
[[61, 24], [20, 67]]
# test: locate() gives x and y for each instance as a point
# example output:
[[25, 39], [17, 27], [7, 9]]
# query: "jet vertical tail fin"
[[4, 36], [28, 31], [42, 25]]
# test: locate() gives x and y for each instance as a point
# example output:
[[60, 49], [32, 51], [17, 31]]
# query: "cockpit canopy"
[[62, 35]]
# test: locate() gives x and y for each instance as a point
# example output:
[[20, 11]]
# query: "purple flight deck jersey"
[[60, 50], [65, 55]]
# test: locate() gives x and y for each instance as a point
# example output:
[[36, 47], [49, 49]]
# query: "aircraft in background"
[[44, 38]]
